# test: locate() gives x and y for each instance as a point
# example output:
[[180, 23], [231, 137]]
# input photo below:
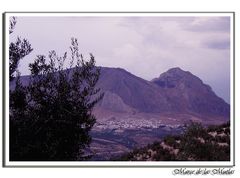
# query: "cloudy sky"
[[145, 46]]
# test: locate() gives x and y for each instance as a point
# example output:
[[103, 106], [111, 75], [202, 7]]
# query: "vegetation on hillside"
[[197, 143]]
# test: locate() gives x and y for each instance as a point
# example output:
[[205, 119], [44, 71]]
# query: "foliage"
[[195, 144], [171, 141], [17, 50], [12, 24], [52, 116]]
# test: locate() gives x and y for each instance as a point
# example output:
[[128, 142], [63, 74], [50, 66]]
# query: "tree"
[[17, 50], [54, 117]]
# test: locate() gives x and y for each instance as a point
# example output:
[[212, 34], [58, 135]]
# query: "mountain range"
[[174, 92]]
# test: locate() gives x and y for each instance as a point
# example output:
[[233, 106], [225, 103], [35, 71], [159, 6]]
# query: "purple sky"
[[145, 46]]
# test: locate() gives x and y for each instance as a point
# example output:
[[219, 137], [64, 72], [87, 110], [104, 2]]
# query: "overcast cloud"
[[145, 46]]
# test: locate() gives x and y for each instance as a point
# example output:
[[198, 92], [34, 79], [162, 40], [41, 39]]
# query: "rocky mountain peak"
[[188, 92], [176, 70], [178, 78]]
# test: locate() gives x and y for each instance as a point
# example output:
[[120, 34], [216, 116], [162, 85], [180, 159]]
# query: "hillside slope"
[[196, 144]]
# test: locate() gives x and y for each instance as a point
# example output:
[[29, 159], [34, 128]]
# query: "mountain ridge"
[[174, 91]]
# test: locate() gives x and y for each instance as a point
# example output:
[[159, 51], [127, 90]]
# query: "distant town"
[[132, 123]]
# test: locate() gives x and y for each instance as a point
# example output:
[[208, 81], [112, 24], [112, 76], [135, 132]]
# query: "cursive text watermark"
[[203, 171]]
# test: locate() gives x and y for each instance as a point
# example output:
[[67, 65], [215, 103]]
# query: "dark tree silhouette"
[[52, 115], [17, 50], [12, 24]]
